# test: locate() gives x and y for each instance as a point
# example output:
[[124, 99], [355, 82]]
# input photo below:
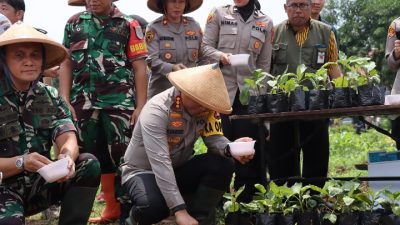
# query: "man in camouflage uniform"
[[393, 59], [32, 118], [97, 81]]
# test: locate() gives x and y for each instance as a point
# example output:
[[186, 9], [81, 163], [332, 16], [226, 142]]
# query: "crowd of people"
[[134, 97]]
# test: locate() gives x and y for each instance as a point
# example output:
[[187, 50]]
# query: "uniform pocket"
[[227, 37], [168, 51], [193, 50], [279, 53], [320, 56], [257, 40]]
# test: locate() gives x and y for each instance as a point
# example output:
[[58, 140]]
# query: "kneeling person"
[[32, 118], [161, 172]]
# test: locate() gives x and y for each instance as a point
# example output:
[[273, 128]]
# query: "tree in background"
[[362, 25]]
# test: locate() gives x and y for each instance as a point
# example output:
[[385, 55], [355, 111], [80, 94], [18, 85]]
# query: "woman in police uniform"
[[240, 28], [173, 41], [32, 118]]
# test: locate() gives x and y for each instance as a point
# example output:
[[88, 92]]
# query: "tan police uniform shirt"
[[393, 63], [150, 149], [226, 32], [169, 44]]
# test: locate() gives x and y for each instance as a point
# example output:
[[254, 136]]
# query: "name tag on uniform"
[[321, 54]]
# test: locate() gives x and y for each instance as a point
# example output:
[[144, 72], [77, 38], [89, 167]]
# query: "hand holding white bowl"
[[242, 149]]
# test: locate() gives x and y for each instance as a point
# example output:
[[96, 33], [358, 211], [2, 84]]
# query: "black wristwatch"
[[19, 163], [227, 151]]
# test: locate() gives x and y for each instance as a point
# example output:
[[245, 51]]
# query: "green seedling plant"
[[232, 205], [275, 200], [253, 86], [301, 199], [341, 197], [357, 71], [391, 203], [370, 199], [320, 79]]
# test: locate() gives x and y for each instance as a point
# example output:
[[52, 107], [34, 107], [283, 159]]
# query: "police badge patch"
[[150, 36]]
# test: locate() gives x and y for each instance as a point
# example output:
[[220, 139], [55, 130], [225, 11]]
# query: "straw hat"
[[193, 5], [22, 33], [205, 85], [79, 2]]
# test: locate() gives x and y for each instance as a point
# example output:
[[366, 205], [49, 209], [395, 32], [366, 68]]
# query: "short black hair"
[[16, 4]]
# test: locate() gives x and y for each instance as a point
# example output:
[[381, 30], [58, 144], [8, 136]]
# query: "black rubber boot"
[[77, 205], [204, 203]]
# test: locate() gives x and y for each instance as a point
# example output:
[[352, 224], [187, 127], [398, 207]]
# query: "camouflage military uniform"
[[29, 122], [102, 91]]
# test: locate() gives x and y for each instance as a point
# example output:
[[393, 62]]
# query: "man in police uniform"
[[160, 172], [32, 118], [240, 28], [104, 82], [173, 41], [393, 59], [301, 40]]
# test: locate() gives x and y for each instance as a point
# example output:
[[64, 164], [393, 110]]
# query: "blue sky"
[[52, 15]]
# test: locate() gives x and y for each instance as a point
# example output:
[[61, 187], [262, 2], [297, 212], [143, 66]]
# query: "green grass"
[[346, 149]]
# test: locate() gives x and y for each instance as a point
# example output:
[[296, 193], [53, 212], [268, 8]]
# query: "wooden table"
[[310, 115]]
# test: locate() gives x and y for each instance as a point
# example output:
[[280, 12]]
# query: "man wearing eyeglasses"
[[301, 40]]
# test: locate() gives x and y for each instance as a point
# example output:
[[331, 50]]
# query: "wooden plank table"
[[309, 115]]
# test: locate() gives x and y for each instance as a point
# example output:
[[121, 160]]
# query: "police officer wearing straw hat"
[[32, 118], [161, 173]]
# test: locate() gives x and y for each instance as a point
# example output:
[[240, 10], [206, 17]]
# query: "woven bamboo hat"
[[22, 33], [79, 2], [192, 5], [205, 85]]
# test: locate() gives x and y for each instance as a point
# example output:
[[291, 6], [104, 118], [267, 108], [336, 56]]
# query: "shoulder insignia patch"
[[150, 36], [391, 31], [210, 17]]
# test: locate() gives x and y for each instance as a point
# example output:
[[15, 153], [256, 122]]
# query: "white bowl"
[[392, 100], [239, 60], [55, 170], [240, 148]]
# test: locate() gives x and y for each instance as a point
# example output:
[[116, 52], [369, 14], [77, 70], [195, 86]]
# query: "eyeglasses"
[[301, 6]]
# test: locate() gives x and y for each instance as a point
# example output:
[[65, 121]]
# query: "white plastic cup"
[[241, 148], [55, 170], [392, 100], [239, 60]]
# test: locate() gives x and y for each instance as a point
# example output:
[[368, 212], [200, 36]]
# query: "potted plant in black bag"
[[251, 93], [232, 208], [370, 92], [306, 204], [344, 93], [371, 214], [277, 96], [391, 204], [318, 98], [275, 202], [296, 88], [341, 206]]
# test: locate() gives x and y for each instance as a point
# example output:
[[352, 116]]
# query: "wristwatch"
[[20, 162]]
